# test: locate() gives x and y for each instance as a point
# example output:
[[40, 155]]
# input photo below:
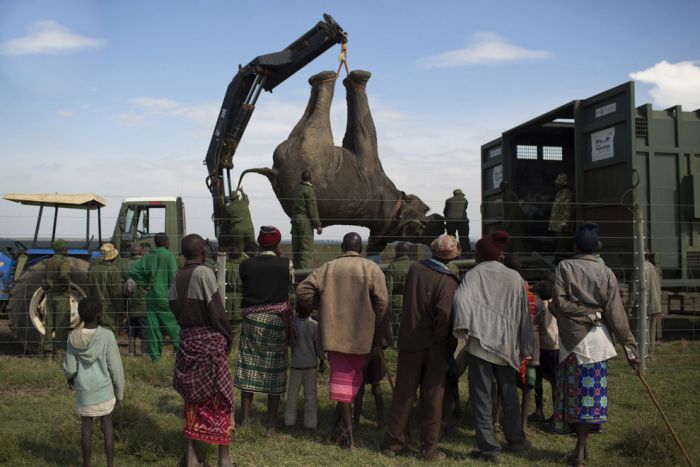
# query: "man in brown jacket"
[[425, 329], [352, 300]]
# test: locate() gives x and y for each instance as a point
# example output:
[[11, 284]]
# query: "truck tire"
[[28, 300]]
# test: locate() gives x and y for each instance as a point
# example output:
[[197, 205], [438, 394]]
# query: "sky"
[[121, 98]]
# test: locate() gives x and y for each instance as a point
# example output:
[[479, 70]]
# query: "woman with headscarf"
[[267, 330], [587, 307]]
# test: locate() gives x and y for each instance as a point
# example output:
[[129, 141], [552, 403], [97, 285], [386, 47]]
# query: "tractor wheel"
[[27, 304]]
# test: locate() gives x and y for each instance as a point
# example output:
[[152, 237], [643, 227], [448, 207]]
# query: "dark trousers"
[[137, 327], [549, 366], [425, 370], [461, 226], [481, 374]]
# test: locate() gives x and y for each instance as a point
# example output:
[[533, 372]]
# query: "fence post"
[[221, 275], [641, 287]]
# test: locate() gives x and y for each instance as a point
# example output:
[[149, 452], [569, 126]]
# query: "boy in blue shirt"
[[93, 368]]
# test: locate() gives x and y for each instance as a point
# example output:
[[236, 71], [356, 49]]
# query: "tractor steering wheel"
[[21, 247]]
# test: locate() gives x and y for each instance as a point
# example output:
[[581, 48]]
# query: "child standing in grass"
[[93, 368], [305, 353]]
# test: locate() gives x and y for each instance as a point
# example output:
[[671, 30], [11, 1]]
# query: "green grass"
[[39, 427]]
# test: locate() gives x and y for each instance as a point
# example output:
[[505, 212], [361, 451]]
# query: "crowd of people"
[[506, 332]]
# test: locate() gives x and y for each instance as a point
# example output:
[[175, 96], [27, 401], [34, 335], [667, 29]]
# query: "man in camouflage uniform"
[[238, 220], [105, 281], [57, 287], [456, 219], [304, 219], [395, 274], [560, 223]]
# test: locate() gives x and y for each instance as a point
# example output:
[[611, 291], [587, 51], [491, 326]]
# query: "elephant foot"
[[321, 77], [358, 77]]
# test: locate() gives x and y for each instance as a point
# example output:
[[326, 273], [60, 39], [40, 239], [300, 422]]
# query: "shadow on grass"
[[144, 437], [170, 404], [55, 451], [648, 445]]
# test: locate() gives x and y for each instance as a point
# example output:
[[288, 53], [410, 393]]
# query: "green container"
[[615, 155]]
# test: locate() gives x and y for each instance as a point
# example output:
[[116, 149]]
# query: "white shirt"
[[474, 347], [597, 346]]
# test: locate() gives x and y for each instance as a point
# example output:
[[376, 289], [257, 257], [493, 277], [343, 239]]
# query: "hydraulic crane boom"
[[263, 72]]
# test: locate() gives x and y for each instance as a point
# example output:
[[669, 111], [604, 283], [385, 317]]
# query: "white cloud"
[[155, 103], [485, 48], [146, 107], [48, 37], [673, 83]]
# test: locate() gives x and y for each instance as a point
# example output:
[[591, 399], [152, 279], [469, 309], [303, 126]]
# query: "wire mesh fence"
[[670, 240]]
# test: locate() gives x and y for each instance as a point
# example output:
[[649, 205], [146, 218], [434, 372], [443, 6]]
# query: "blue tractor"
[[22, 267]]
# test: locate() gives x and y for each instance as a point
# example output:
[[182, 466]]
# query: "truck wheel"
[[27, 304]]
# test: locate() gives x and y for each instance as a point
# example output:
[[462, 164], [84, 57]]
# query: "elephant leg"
[[316, 121], [360, 134]]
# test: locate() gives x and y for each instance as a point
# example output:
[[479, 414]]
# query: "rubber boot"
[[132, 347]]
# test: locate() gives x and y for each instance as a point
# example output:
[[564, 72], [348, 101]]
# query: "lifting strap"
[[343, 58]]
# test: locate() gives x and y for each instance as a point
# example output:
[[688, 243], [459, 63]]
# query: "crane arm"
[[263, 72]]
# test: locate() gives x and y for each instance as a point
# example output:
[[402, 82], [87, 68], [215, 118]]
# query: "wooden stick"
[[663, 415], [386, 369]]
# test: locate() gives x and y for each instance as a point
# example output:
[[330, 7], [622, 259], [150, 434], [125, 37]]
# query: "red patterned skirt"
[[210, 421]]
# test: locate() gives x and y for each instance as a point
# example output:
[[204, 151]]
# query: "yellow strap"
[[343, 58]]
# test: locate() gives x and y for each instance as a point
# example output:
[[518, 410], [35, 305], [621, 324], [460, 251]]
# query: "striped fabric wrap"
[[346, 375]]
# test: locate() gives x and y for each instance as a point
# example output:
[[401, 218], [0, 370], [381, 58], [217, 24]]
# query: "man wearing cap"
[[588, 308], [425, 331], [304, 219], [456, 220], [491, 314], [105, 283], [267, 329], [156, 271], [560, 222], [350, 294], [57, 287]]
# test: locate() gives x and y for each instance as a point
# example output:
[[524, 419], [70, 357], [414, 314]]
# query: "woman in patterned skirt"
[[587, 307]]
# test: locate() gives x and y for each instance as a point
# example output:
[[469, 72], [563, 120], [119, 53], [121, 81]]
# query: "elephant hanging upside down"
[[351, 186]]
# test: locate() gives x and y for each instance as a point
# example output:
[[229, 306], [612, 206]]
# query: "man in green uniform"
[[456, 219], [304, 219], [135, 304], [57, 287], [155, 271], [560, 217], [512, 216], [395, 274], [105, 282], [238, 220]]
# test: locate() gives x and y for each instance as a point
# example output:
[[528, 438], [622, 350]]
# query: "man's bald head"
[[352, 242], [193, 247]]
